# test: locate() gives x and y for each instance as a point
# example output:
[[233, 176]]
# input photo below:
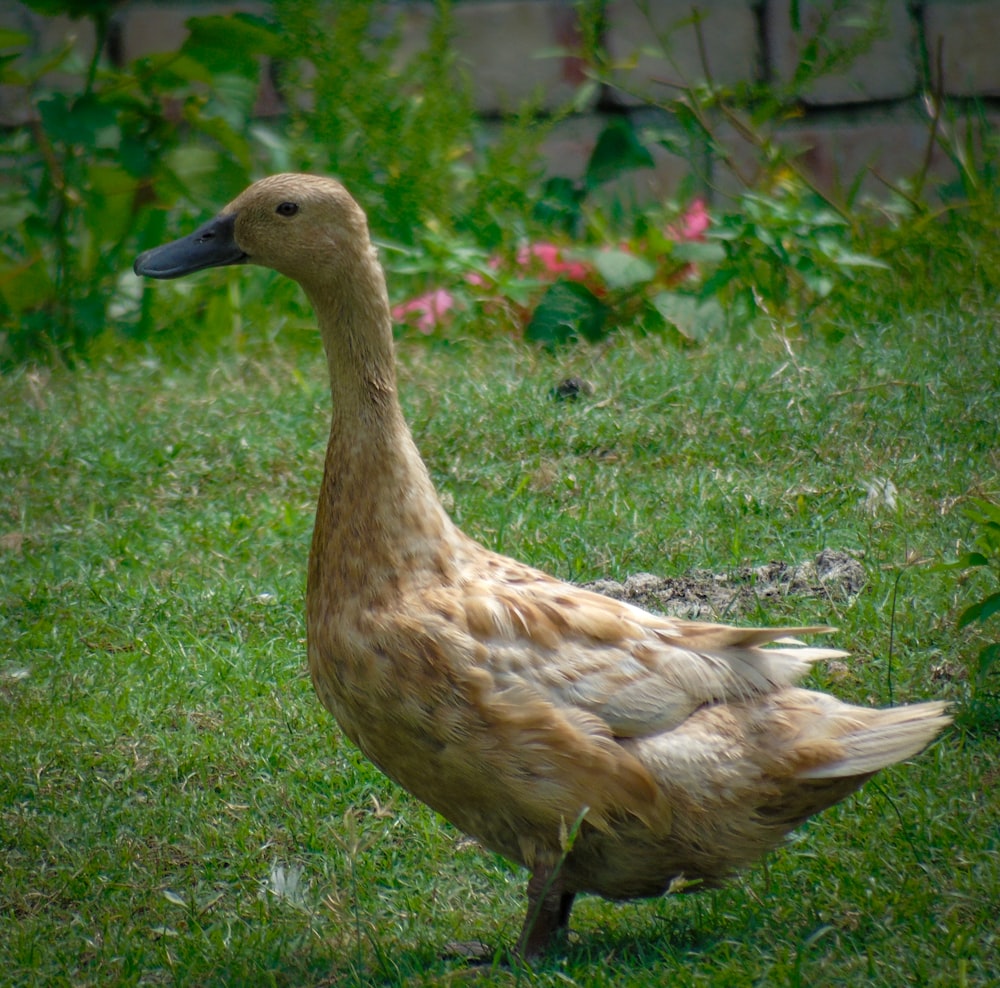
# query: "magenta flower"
[[549, 257], [694, 223], [426, 311]]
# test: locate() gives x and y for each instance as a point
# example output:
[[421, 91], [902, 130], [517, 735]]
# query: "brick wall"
[[869, 114]]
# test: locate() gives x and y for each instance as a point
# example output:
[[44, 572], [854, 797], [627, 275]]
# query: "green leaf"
[[718, 281], [559, 205], [14, 211], [851, 259], [237, 90], [966, 561], [86, 120], [25, 285], [984, 511], [700, 252], [206, 176], [108, 212], [170, 70], [980, 611], [13, 39], [693, 317], [567, 311], [136, 156], [228, 136], [231, 44], [617, 150], [619, 269], [988, 657]]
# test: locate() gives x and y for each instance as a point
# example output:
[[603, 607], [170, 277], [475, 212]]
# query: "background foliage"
[[134, 155]]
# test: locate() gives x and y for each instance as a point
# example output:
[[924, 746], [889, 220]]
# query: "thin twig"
[[699, 37], [102, 24], [892, 635], [694, 105], [937, 103], [750, 135], [911, 198]]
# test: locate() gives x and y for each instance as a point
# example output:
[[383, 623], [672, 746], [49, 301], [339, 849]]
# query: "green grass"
[[177, 809]]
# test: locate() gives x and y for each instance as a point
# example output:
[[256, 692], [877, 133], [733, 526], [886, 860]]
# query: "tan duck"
[[606, 749]]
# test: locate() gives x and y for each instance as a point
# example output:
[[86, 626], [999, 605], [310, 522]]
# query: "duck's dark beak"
[[210, 246]]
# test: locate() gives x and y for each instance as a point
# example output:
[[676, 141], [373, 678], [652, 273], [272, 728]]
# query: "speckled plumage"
[[518, 706]]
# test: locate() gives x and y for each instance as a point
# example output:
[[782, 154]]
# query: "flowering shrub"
[[693, 224], [427, 311], [693, 273], [552, 293], [549, 259]]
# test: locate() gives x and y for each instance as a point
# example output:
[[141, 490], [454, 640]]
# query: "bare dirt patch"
[[703, 595]]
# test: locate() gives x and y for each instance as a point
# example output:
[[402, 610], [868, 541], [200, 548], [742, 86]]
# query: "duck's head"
[[297, 224]]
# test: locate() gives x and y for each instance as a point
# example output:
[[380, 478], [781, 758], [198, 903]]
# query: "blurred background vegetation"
[[130, 154]]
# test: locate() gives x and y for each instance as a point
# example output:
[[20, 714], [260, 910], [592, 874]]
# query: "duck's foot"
[[547, 919]]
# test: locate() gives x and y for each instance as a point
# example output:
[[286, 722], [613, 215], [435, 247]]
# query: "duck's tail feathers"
[[891, 735]]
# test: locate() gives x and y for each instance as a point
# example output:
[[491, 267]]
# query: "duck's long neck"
[[379, 518]]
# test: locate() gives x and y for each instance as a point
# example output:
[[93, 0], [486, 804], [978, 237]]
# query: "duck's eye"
[[287, 209]]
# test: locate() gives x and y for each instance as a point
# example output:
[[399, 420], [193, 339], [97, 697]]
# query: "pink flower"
[[551, 260], [425, 311], [478, 280], [694, 223]]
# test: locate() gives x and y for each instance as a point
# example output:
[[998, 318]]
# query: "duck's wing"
[[640, 673]]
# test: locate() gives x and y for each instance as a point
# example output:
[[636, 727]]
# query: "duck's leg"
[[549, 906], [565, 908]]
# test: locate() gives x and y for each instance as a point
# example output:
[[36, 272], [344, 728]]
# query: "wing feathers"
[[708, 635], [640, 673]]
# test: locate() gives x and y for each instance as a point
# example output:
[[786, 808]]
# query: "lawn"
[[175, 806]]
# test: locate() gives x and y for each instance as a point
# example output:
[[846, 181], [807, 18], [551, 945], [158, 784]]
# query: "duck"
[[606, 749]]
